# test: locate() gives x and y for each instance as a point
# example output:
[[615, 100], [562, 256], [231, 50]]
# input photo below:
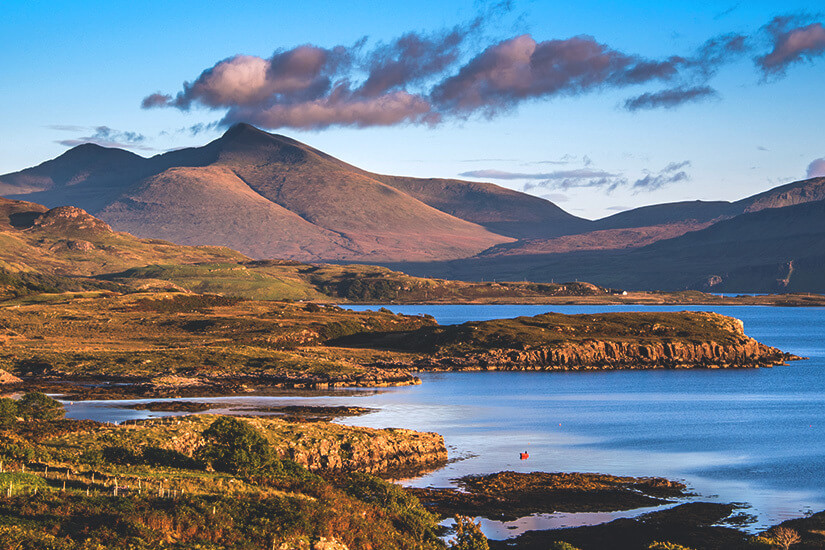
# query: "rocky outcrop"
[[605, 355], [366, 450], [8, 378], [70, 219], [319, 446], [602, 342]]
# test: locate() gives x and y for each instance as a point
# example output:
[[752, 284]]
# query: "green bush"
[[468, 535], [234, 446], [8, 412], [39, 406], [120, 455], [561, 545], [156, 456]]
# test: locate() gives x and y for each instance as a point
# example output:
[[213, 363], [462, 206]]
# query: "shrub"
[[234, 446], [39, 406], [120, 455], [8, 412], [784, 537], [468, 535], [411, 516], [561, 545], [156, 456]]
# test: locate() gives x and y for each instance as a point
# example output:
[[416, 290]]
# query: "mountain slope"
[[774, 249], [648, 224], [797, 192], [162, 206], [264, 194], [500, 210]]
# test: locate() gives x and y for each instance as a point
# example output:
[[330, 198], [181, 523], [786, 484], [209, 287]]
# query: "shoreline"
[[672, 501]]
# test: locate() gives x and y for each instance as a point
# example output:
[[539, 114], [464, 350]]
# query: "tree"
[[784, 537], [468, 535], [8, 412], [39, 406], [234, 446]]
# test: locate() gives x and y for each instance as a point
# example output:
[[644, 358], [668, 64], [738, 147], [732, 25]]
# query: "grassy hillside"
[[69, 485]]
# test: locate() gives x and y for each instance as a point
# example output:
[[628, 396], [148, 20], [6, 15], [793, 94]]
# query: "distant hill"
[[703, 211], [770, 250], [648, 224], [66, 241], [46, 250], [270, 196]]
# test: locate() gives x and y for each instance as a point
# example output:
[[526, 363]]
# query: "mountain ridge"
[[270, 196]]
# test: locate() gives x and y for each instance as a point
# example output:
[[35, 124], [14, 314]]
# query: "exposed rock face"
[[315, 445], [322, 543], [600, 355], [370, 451]]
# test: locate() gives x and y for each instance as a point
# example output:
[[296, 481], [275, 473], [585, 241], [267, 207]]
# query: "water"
[[754, 436]]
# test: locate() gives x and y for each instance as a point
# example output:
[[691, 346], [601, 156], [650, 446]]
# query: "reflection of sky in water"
[[500, 530], [755, 436]]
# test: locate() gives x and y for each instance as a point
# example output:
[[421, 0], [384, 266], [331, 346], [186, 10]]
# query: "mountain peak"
[[244, 130]]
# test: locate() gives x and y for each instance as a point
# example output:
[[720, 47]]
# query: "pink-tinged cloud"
[[669, 98], [411, 59], [521, 68], [338, 109], [424, 78], [250, 80], [791, 45], [816, 169], [311, 87]]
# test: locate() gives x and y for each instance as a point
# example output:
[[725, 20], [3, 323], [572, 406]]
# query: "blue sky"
[[714, 127]]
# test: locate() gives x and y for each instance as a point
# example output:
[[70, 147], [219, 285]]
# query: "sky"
[[597, 106]]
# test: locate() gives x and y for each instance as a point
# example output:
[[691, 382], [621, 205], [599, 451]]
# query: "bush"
[[561, 545], [39, 406], [8, 412], [120, 455], [468, 535], [235, 447], [411, 516]]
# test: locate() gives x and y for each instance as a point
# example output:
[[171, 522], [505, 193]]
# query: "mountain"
[[270, 196], [705, 211], [769, 250], [648, 224]]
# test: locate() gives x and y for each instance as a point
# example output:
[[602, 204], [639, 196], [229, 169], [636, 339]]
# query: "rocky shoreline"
[[555, 342], [600, 355]]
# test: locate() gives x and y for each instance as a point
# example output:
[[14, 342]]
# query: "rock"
[[8, 378], [70, 218]]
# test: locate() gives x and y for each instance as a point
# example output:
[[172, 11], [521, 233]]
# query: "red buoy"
[[524, 456]]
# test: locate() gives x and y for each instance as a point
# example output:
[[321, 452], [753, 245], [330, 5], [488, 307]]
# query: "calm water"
[[754, 436]]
